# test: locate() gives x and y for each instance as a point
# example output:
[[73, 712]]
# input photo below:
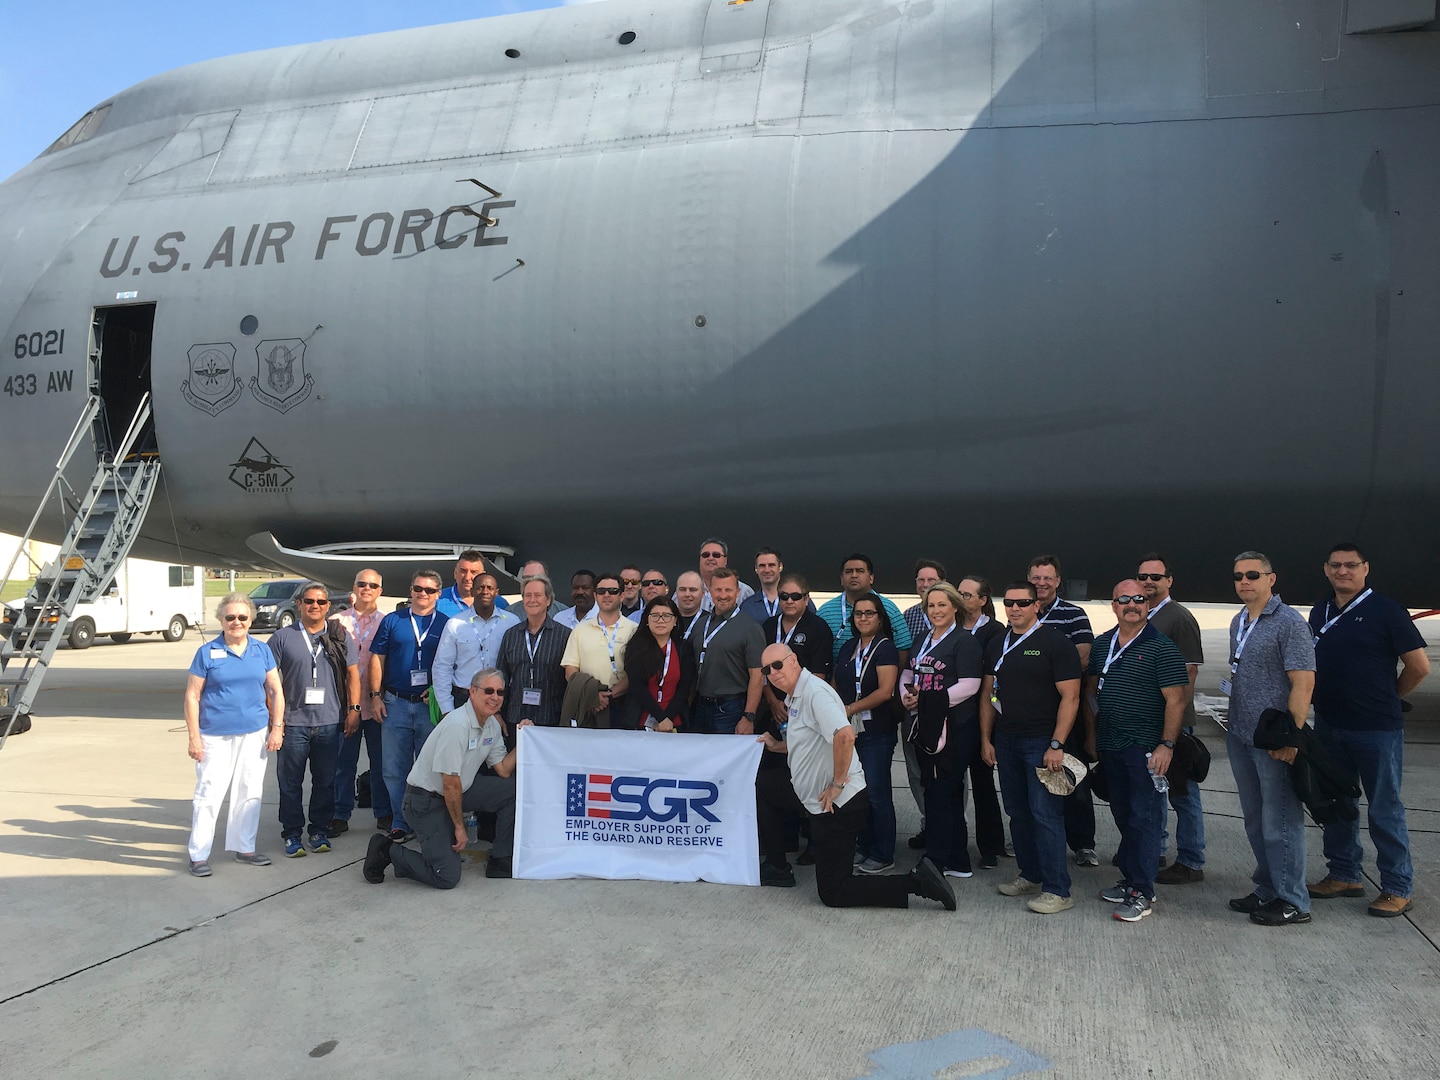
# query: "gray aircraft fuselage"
[[949, 277]]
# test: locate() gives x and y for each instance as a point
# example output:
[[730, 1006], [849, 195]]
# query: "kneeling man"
[[443, 786]]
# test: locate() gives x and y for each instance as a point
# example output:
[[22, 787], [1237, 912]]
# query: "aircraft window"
[[627, 37], [513, 54], [86, 127]]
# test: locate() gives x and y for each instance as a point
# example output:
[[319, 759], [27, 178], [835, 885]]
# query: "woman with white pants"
[[232, 693]]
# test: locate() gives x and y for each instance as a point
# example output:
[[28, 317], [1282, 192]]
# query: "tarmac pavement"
[[118, 963]]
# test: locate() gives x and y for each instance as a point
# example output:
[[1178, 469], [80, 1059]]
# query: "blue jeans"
[[876, 750], [1189, 825], [1037, 818], [1274, 822], [1377, 756], [319, 747], [348, 764], [406, 727], [716, 716], [1136, 807]]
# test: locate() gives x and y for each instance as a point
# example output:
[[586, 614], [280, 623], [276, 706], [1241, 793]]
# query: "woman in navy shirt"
[[232, 695], [865, 675]]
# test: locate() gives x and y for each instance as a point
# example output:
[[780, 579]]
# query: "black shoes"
[[989, 862], [497, 866], [1177, 873], [806, 857], [1279, 913], [917, 842], [377, 858], [929, 882], [780, 877], [1247, 905]]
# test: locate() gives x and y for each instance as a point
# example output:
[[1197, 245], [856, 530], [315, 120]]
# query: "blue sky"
[[63, 56]]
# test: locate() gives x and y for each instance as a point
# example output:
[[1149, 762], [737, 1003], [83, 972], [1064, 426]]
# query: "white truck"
[[145, 598]]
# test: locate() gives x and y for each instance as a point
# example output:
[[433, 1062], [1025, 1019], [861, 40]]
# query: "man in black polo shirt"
[[1134, 702], [727, 648], [1028, 705], [1071, 621], [1359, 636]]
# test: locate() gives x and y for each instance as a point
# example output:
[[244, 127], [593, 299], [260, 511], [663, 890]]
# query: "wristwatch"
[[354, 708], [377, 693], [1169, 744], [748, 716], [1056, 744]]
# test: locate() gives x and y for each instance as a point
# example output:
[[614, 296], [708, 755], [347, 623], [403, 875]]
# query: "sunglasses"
[[1136, 599], [367, 584], [1151, 577], [308, 602], [607, 590], [1017, 603], [237, 618], [490, 691], [774, 667], [629, 581], [791, 596], [653, 581], [423, 590], [1248, 575], [712, 554]]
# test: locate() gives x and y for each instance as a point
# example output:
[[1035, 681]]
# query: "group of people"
[[1035, 697]]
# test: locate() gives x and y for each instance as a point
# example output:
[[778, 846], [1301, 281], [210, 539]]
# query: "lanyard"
[[1007, 647], [780, 625], [979, 623], [419, 637], [665, 671], [530, 647], [709, 634], [1155, 610], [610, 637], [365, 627], [1112, 656], [770, 612], [931, 642], [862, 661], [1049, 611], [316, 648], [1336, 617], [490, 624], [1242, 634], [693, 620]]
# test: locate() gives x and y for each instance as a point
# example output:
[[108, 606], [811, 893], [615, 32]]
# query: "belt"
[[408, 697], [413, 790], [720, 700]]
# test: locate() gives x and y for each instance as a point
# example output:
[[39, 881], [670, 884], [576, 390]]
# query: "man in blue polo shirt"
[[457, 598], [1359, 636], [857, 575], [1136, 686], [401, 655]]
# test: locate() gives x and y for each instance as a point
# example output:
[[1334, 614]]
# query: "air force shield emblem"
[[212, 386], [280, 379]]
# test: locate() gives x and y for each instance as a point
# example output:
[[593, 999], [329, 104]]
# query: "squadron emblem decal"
[[258, 470], [280, 379], [212, 386]]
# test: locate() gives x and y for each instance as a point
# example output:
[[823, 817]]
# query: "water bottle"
[[1161, 782]]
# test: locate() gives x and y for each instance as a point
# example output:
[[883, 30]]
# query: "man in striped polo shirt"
[[1044, 574], [1134, 703]]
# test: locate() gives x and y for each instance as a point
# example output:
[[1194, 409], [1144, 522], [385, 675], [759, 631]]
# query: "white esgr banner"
[[636, 804]]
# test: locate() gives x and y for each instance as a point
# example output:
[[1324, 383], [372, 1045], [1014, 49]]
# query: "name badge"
[[420, 678], [1226, 687], [474, 743], [314, 695], [1100, 683], [859, 720], [995, 703], [530, 697], [217, 654]]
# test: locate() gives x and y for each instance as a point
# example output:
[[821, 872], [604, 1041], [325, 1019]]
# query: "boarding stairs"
[[104, 521]]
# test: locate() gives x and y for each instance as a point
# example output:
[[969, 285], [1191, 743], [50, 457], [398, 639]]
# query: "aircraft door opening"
[[120, 360]]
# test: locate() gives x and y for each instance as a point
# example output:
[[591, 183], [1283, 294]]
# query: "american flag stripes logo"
[[588, 795]]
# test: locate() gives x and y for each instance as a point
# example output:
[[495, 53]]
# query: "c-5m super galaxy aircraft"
[[976, 278]]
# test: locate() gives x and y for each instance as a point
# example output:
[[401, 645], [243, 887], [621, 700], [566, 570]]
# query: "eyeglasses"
[[490, 691], [1151, 577], [774, 667], [866, 614], [607, 590], [308, 602], [629, 581], [1017, 603], [662, 616], [653, 581], [1136, 599], [1248, 575], [792, 596], [237, 618], [367, 584], [712, 555], [423, 590], [1352, 565], [966, 595]]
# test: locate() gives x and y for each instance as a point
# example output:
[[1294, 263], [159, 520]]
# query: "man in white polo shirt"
[[444, 785]]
